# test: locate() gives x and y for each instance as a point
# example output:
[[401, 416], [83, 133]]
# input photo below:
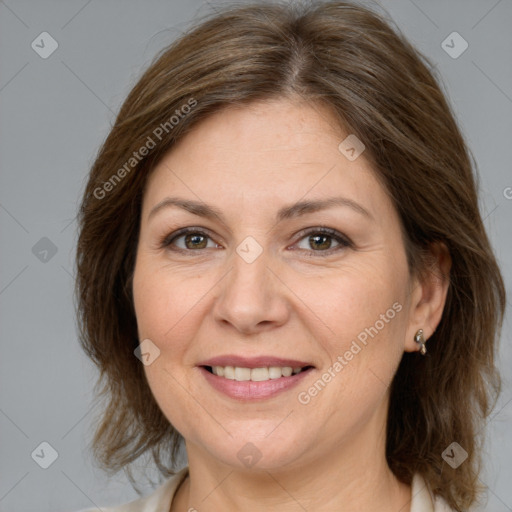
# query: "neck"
[[351, 477]]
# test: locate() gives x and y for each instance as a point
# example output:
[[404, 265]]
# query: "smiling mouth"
[[262, 374]]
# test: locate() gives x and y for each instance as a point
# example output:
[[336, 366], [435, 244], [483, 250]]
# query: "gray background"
[[55, 113]]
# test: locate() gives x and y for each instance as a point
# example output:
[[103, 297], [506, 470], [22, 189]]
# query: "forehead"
[[268, 153]]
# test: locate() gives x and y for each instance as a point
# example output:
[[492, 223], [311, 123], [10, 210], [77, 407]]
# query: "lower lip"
[[250, 390]]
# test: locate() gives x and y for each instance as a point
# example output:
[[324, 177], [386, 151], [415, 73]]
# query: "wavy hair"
[[379, 87]]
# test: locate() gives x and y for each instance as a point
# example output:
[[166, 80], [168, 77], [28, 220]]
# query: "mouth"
[[253, 379], [261, 374]]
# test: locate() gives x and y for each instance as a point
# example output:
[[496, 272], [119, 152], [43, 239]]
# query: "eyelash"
[[345, 242]]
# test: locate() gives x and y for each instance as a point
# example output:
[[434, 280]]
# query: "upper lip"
[[253, 362]]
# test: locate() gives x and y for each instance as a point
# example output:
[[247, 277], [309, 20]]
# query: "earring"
[[419, 338]]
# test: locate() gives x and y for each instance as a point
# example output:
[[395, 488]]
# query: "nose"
[[252, 298]]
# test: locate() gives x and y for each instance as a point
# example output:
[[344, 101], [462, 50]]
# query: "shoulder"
[[424, 501], [160, 499]]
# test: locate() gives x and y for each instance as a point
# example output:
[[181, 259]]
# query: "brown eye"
[[321, 241], [188, 239], [195, 241]]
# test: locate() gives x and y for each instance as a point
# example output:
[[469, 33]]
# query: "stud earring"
[[420, 339]]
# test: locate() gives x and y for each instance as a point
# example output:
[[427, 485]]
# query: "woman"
[[282, 265]]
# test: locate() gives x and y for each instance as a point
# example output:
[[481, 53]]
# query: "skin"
[[290, 302]]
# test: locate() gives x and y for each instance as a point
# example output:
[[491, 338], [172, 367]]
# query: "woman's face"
[[257, 283]]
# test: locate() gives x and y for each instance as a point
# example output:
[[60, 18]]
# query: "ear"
[[428, 295]]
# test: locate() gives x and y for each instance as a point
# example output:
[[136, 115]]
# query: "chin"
[[257, 453]]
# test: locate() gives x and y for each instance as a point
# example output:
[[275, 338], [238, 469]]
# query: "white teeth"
[[259, 374], [274, 372], [229, 372], [287, 371], [254, 374], [242, 373]]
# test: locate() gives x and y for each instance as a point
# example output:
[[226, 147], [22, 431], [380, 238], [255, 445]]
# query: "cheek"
[[366, 315], [165, 316], [164, 305], [361, 301]]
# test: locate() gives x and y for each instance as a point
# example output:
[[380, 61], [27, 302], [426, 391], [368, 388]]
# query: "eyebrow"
[[288, 212]]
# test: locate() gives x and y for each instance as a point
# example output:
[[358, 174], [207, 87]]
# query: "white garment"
[[161, 498]]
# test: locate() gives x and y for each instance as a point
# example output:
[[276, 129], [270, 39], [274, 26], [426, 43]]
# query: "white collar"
[[422, 499], [161, 498]]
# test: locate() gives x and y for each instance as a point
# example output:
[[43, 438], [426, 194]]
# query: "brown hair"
[[352, 60]]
